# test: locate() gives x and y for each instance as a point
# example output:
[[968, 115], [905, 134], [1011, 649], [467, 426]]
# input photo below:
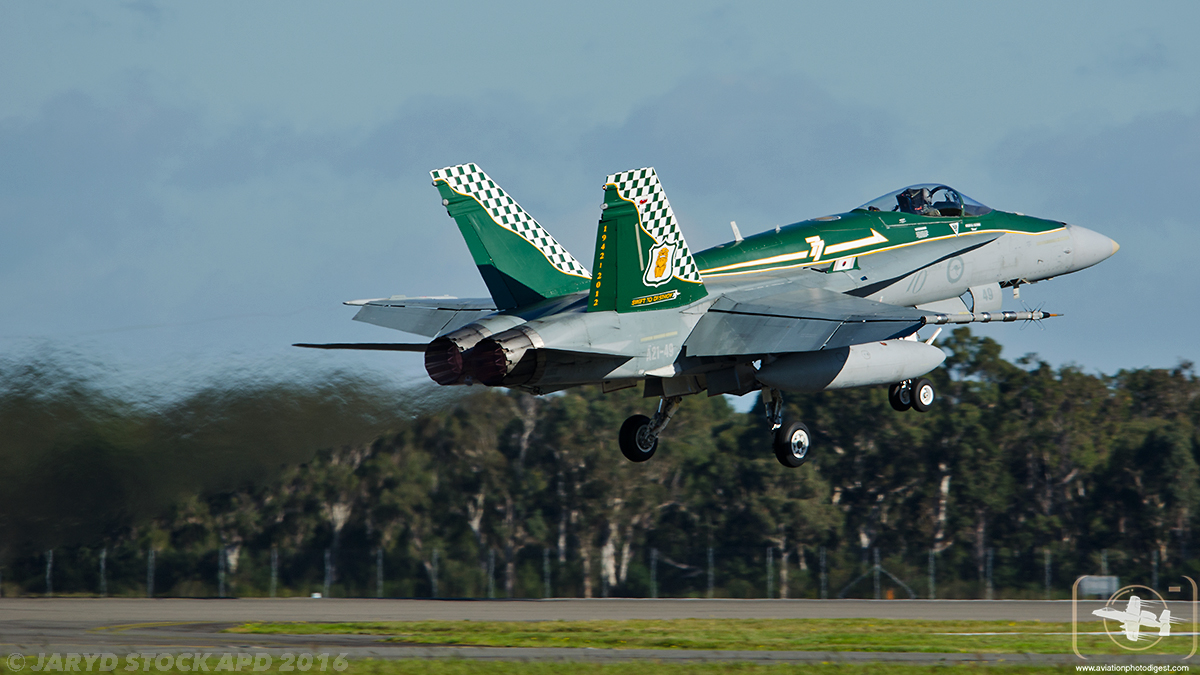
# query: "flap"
[[798, 320]]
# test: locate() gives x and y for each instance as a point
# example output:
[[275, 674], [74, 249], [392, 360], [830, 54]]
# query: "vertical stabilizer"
[[1135, 606], [642, 260], [518, 259]]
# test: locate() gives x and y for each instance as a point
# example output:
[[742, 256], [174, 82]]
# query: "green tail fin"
[[519, 261], [642, 261]]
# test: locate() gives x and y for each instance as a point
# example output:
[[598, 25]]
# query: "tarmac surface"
[[32, 626]]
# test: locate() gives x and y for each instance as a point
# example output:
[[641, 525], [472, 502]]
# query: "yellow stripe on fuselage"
[[875, 238], [786, 257]]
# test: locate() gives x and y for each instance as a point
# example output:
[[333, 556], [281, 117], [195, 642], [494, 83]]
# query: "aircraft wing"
[[423, 316], [796, 320]]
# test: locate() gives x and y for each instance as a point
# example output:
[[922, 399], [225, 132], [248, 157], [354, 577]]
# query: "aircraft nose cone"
[[1089, 247]]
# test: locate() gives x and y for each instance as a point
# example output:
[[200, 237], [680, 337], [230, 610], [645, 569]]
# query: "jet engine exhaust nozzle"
[[487, 363], [506, 359], [445, 357], [444, 361]]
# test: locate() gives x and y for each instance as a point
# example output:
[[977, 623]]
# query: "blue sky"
[[188, 188]]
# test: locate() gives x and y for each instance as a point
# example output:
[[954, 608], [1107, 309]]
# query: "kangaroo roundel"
[[661, 267]]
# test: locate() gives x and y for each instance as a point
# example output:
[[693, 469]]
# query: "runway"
[[93, 612], [124, 626]]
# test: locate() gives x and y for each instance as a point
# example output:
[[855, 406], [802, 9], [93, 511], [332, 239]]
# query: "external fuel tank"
[[854, 366]]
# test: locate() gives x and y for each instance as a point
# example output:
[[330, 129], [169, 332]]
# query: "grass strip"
[[871, 635], [468, 667]]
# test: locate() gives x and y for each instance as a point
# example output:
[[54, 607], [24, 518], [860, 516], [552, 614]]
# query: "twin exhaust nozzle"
[[469, 355]]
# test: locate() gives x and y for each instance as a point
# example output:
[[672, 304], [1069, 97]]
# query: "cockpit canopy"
[[928, 199]]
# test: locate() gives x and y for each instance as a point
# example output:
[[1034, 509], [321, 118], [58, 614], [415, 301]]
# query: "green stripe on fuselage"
[[858, 233]]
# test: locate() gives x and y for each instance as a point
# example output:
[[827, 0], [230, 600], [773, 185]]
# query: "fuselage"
[[907, 259], [898, 258]]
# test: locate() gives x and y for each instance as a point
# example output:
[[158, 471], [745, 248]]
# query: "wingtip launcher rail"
[[985, 317]]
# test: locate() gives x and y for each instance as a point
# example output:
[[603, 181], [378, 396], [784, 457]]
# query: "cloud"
[[83, 172], [147, 200], [1127, 176], [755, 140], [1135, 182], [1131, 56], [147, 9], [162, 217]]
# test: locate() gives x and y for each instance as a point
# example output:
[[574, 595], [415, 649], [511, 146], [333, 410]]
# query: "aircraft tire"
[[793, 443], [900, 396], [923, 395], [633, 439]]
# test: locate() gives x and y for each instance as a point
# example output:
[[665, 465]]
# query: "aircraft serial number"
[[660, 351]]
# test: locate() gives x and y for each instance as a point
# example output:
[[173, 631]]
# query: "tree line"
[[347, 486]]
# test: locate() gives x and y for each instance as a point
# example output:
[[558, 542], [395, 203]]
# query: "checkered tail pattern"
[[641, 186], [470, 180]]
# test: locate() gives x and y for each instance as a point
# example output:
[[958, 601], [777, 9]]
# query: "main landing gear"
[[792, 440], [639, 434], [916, 394]]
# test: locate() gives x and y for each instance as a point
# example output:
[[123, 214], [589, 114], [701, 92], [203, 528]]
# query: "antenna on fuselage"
[[737, 234]]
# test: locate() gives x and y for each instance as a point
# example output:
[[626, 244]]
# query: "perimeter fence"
[[536, 572]]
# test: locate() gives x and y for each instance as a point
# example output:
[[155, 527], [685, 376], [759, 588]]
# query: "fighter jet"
[[827, 303], [1133, 618]]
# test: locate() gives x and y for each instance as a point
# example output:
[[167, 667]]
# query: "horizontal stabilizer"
[[368, 346], [423, 316]]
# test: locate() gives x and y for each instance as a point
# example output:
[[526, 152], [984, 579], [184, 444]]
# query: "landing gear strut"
[[639, 434], [773, 407]]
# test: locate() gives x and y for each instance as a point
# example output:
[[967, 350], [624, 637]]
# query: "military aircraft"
[[826, 303], [1134, 617]]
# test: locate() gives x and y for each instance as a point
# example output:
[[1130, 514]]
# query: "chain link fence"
[[535, 572]]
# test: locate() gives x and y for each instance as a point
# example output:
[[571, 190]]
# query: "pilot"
[[916, 201]]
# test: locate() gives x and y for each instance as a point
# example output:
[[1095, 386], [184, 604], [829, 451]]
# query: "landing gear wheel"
[[635, 440], [792, 442], [900, 396], [923, 395]]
